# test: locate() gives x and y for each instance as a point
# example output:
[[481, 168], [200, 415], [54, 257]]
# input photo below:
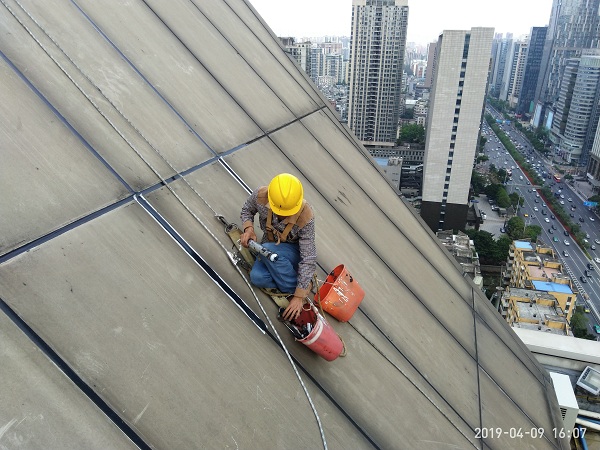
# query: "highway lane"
[[576, 263]]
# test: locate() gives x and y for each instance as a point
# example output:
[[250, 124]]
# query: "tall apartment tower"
[[577, 109], [535, 51], [513, 73], [501, 47], [455, 113], [574, 27], [375, 69]]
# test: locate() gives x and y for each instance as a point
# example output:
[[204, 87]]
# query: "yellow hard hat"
[[285, 194]]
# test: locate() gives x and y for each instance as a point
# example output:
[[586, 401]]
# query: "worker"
[[288, 226]]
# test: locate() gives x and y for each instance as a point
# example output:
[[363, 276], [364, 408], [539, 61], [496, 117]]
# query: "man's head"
[[285, 194]]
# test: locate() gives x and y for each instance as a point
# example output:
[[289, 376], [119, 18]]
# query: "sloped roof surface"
[[125, 127]]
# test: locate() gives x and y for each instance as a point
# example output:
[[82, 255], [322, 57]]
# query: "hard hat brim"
[[284, 212]]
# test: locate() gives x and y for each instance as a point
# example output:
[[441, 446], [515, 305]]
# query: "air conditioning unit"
[[569, 408], [590, 380]]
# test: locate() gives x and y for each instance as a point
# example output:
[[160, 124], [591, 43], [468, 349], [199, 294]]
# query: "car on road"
[[566, 233], [597, 241], [553, 217], [570, 199], [583, 279], [581, 219], [597, 260], [550, 230], [562, 202], [586, 309], [590, 266], [591, 219], [535, 208], [502, 230], [572, 215], [593, 247], [566, 242], [547, 220], [565, 253], [555, 239], [597, 328]]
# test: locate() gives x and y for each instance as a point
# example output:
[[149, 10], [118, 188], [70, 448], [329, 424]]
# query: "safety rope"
[[163, 181]]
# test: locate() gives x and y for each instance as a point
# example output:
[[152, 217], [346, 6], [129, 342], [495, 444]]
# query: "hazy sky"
[[426, 18]]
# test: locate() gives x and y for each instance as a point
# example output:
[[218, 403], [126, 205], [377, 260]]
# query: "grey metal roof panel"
[[125, 121], [48, 176], [140, 323], [41, 408], [143, 44]]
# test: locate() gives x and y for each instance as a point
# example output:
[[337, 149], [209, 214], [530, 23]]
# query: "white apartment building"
[[455, 112]]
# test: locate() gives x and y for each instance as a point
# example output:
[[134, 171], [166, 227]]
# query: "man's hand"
[[294, 309], [247, 235]]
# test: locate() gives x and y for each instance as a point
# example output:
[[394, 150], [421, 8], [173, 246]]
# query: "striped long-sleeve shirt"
[[305, 236]]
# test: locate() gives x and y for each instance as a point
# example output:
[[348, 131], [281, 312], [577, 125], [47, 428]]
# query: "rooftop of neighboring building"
[[552, 287]]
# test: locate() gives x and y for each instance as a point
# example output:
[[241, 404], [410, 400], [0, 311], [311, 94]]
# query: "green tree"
[[482, 141], [484, 244], [478, 182], [501, 175], [532, 232], [516, 199], [502, 248], [515, 228], [503, 198], [412, 133], [594, 198], [492, 190], [579, 324]]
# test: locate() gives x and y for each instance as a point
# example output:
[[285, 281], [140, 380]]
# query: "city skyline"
[[312, 18]]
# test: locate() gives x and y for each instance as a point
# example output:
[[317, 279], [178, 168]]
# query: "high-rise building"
[[300, 52], [454, 117], [535, 50], [430, 64], [375, 69], [576, 118], [513, 72], [500, 50], [573, 28]]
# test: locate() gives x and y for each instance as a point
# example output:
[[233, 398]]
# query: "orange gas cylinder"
[[340, 294]]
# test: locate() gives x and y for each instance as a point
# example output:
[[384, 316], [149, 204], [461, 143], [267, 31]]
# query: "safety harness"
[[300, 219]]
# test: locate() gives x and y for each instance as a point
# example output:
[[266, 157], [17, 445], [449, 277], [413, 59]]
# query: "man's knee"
[[261, 278]]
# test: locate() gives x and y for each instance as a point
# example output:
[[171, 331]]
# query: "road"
[[536, 212]]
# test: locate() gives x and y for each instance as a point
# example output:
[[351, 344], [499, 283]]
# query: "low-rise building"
[[537, 294], [463, 249], [535, 310]]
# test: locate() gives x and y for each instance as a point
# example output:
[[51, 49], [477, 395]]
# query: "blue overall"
[[281, 274]]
